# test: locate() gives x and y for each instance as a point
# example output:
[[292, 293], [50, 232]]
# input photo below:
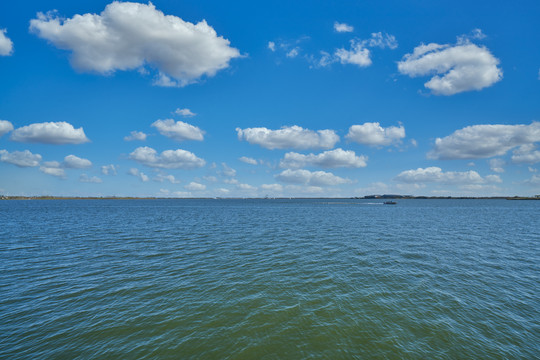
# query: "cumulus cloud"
[[210, 178], [184, 112], [138, 174], [127, 36], [526, 154], [533, 181], [248, 160], [74, 162], [5, 127], [20, 158], [108, 170], [168, 159], [497, 165], [245, 187], [193, 186], [484, 141], [328, 159], [57, 133], [272, 187], [373, 134], [272, 46], [316, 178], [6, 45], [169, 178], [53, 168], [227, 171], [135, 135], [342, 27], [436, 175], [289, 137], [87, 179], [455, 68], [358, 54], [178, 130]]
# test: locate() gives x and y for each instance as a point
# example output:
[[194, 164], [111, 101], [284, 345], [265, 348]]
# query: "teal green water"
[[269, 279]]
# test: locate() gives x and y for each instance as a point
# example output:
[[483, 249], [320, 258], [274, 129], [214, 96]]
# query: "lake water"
[[269, 279]]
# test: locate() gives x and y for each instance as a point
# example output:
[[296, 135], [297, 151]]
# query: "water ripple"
[[237, 279]]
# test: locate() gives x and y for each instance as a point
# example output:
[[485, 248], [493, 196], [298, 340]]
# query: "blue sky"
[[244, 99]]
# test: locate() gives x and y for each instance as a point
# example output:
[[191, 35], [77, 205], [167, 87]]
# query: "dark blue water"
[[269, 279]]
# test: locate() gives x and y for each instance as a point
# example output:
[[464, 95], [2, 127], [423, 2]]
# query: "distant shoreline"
[[369, 197]]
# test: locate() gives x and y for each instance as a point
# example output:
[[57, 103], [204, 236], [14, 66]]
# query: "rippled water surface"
[[269, 279]]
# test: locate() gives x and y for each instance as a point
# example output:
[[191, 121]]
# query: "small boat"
[[390, 203]]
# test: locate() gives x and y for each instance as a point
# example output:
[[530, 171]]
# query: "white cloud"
[[533, 170], [436, 175], [74, 162], [272, 187], [135, 135], [289, 137], [5, 127], [475, 34], [342, 27], [227, 171], [303, 189], [178, 130], [127, 36], [245, 187], [316, 178], [56, 168], [328, 159], [210, 178], [456, 68], [272, 46], [6, 45], [497, 165], [169, 178], [374, 188], [20, 158], [293, 52], [86, 179], [248, 160], [484, 141], [357, 55], [182, 194], [168, 159], [382, 41], [373, 134], [138, 174], [108, 170], [526, 154], [325, 60], [57, 133], [533, 181], [231, 181], [53, 168], [184, 112], [193, 186], [493, 179]]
